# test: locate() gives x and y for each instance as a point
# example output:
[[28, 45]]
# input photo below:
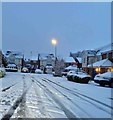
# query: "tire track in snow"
[[67, 112], [79, 94], [47, 106], [41, 106]]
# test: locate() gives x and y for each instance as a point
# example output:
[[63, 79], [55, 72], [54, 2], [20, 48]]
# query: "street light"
[[54, 42]]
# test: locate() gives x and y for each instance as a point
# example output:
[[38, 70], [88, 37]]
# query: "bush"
[[2, 72]]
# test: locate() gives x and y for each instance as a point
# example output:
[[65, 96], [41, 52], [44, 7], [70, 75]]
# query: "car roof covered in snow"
[[11, 65]]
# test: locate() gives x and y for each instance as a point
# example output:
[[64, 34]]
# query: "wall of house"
[[108, 54], [0, 58]]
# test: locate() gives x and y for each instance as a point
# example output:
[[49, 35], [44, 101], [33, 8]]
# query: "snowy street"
[[26, 95]]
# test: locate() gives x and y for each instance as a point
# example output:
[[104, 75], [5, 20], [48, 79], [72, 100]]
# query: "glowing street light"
[[54, 42]]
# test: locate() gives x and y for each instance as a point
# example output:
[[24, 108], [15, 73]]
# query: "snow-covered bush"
[[2, 72]]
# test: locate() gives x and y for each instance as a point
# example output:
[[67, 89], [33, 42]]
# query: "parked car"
[[104, 79], [64, 73], [33, 70], [38, 71], [49, 69], [2, 72], [11, 68], [69, 68], [79, 77], [25, 70], [70, 75]]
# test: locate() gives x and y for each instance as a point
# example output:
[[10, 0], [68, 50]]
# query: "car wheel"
[[101, 84], [111, 84]]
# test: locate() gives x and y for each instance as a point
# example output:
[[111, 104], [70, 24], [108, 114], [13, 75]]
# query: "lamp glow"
[[54, 41]]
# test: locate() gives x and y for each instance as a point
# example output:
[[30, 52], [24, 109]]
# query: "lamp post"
[[54, 42]]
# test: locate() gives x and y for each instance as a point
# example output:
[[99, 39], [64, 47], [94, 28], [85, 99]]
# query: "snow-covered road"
[[44, 96]]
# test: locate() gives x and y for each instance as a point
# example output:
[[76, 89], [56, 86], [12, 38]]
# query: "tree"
[[4, 60]]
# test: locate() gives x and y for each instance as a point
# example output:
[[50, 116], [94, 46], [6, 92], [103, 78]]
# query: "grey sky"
[[77, 26]]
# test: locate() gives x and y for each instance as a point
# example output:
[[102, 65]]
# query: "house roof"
[[71, 67], [15, 53], [104, 49], [91, 52], [69, 60], [79, 59], [102, 63], [34, 58]]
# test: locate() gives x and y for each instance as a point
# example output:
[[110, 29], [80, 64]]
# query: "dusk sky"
[[77, 26]]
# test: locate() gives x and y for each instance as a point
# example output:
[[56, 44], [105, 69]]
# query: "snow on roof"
[[34, 58], [71, 67], [19, 56], [14, 53], [102, 63], [69, 60], [79, 59], [49, 66], [106, 48], [43, 58], [91, 52]]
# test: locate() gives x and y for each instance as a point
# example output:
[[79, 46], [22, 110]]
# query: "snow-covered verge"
[[12, 90], [27, 95]]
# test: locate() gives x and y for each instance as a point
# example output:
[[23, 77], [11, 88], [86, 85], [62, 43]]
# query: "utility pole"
[[38, 61]]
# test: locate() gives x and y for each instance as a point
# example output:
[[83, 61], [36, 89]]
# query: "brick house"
[[69, 61], [104, 53]]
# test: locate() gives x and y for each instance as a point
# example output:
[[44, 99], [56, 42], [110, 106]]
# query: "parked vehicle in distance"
[[28, 66], [69, 68], [11, 68], [49, 69], [104, 79], [33, 70], [38, 71], [25, 70], [64, 73], [78, 76], [2, 72]]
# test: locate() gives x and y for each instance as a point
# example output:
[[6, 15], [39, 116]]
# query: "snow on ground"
[[28, 95], [89, 90]]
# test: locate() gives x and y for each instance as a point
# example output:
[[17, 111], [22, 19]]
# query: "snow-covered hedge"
[[2, 72]]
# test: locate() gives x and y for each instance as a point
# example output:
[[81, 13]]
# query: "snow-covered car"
[[70, 75], [64, 73], [25, 70], [104, 79], [69, 68], [38, 71], [2, 72], [79, 77], [11, 68]]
